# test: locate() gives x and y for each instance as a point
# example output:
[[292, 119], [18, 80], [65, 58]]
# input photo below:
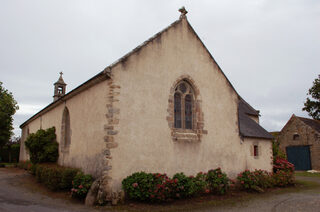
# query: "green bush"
[[26, 165], [67, 176], [39, 174], [201, 183], [43, 146], [139, 186], [218, 181], [53, 176], [283, 178], [257, 180], [81, 185], [158, 187], [33, 169], [248, 181], [183, 186], [263, 178]]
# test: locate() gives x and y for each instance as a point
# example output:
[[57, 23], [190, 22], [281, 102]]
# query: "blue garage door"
[[299, 156]]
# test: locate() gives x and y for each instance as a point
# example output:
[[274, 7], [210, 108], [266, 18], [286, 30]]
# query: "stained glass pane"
[[183, 87], [188, 111], [177, 110]]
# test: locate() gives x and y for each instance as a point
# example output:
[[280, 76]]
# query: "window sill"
[[65, 151], [185, 135]]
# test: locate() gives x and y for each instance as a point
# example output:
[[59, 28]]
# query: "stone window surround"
[[296, 136], [187, 135], [255, 150]]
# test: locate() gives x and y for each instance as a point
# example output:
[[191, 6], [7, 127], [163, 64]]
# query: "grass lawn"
[[306, 174]]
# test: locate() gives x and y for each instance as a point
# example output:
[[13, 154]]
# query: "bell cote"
[[59, 88]]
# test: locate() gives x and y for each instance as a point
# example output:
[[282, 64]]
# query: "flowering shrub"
[[162, 187], [283, 173], [159, 187], [257, 180], [183, 186], [218, 181], [247, 181], [283, 178], [263, 178], [24, 165], [201, 183], [139, 186], [81, 185], [282, 164]]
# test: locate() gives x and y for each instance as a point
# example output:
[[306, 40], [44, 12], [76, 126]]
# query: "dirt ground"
[[19, 191]]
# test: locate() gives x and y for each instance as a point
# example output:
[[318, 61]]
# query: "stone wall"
[[307, 137]]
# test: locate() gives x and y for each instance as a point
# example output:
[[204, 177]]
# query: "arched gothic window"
[[65, 129], [185, 116], [183, 106]]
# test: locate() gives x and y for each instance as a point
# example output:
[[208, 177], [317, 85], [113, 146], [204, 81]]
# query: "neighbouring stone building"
[[300, 139], [166, 106]]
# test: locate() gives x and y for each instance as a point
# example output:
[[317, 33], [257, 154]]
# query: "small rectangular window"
[[255, 150], [295, 136]]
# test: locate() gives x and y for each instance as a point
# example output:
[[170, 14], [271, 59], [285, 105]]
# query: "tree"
[[312, 106], [10, 151], [8, 107]]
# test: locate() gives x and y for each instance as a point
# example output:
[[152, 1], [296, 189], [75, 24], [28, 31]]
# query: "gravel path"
[[14, 197], [307, 201]]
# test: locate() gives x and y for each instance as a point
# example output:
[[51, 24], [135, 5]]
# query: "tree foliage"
[[43, 146], [312, 106], [8, 107]]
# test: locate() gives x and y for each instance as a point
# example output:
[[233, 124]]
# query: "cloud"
[[268, 49]]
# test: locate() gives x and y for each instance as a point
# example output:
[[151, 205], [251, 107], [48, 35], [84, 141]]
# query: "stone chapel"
[[166, 107]]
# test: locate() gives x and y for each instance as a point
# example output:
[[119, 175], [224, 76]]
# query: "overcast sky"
[[268, 49]]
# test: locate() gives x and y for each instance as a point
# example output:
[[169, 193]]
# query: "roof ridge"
[[311, 119]]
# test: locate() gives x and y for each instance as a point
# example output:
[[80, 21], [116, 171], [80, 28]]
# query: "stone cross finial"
[[183, 12], [61, 73]]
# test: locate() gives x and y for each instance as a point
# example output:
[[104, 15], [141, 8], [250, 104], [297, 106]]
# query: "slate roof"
[[247, 109], [247, 126], [315, 124]]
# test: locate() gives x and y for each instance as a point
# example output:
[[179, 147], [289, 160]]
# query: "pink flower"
[[242, 182], [80, 186], [175, 180], [207, 190], [135, 185]]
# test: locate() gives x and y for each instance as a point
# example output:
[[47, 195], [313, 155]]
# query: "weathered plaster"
[[144, 139], [87, 118]]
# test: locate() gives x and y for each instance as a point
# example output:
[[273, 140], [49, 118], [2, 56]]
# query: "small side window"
[[296, 136], [255, 150]]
